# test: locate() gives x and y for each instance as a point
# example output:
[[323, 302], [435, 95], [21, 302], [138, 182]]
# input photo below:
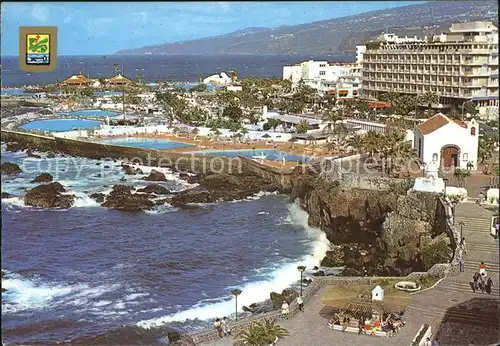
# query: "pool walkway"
[[456, 314]]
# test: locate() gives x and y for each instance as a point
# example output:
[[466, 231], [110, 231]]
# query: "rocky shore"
[[375, 231]]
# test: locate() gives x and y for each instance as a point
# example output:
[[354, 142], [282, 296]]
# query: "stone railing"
[[208, 335], [454, 236]]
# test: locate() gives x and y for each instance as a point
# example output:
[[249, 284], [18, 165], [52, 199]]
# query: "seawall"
[[178, 161]]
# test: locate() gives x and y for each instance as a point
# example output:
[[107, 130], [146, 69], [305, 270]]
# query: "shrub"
[[434, 253]]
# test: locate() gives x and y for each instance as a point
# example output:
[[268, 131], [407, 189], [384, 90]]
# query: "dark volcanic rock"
[[48, 196], [376, 230], [319, 273], [31, 154], [131, 170], [50, 155], [98, 197], [43, 178], [156, 189], [122, 198], [10, 168], [99, 163], [123, 179], [183, 175], [155, 176], [174, 336], [222, 187], [7, 195], [14, 147], [287, 295]]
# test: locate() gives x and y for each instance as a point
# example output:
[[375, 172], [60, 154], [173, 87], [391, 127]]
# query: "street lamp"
[[363, 253], [454, 201], [463, 105], [462, 224], [236, 292], [301, 270], [445, 182]]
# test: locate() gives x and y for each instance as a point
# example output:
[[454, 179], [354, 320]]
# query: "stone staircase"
[[439, 305]]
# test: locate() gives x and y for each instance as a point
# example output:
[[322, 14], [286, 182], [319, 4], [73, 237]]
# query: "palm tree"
[[262, 333], [215, 131], [140, 77], [273, 123], [430, 98], [233, 76], [355, 142], [302, 126], [195, 132], [243, 131]]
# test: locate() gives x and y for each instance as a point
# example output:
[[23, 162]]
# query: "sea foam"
[[257, 291]]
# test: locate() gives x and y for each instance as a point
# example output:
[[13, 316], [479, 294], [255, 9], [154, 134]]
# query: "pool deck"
[[200, 144]]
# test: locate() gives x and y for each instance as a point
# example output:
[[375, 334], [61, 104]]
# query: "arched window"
[[434, 157], [472, 131], [466, 157]]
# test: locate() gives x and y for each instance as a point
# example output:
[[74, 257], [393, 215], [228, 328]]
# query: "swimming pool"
[[12, 92], [270, 154], [148, 143], [91, 113], [61, 125]]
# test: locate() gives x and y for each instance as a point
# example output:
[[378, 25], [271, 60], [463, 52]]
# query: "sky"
[[88, 28]]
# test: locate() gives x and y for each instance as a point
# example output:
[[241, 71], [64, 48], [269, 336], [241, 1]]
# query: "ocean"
[[158, 68], [91, 275]]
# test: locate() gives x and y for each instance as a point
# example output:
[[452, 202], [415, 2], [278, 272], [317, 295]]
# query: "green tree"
[[233, 112], [116, 69], [262, 333], [461, 176], [140, 77], [302, 126], [200, 88], [355, 142], [430, 98], [434, 253], [272, 123], [470, 108]]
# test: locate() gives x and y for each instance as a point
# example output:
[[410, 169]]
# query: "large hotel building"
[[460, 66]]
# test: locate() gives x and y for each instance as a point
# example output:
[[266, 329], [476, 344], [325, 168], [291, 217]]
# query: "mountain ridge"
[[335, 35]]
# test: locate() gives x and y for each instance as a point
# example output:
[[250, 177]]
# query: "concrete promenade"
[[456, 314]]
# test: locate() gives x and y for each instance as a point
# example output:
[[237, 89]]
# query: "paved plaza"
[[456, 314]]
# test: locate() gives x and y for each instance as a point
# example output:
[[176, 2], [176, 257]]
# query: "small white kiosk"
[[378, 293]]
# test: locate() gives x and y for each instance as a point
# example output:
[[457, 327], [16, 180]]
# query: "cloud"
[[40, 13]]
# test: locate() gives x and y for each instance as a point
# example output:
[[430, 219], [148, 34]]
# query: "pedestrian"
[[475, 280], [300, 302], [345, 323], [218, 326], [489, 285], [361, 325], [482, 268], [480, 198], [226, 328], [462, 265], [482, 283], [285, 309], [436, 342], [497, 227], [428, 342], [463, 246]]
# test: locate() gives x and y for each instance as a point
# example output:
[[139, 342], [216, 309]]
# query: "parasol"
[[357, 300]]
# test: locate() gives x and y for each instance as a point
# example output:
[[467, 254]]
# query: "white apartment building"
[[360, 52], [460, 66], [325, 77]]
